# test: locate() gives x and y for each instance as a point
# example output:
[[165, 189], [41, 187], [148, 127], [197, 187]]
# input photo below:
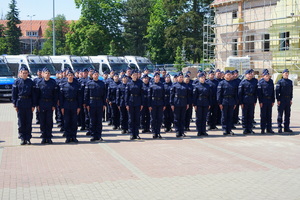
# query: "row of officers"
[[132, 102]]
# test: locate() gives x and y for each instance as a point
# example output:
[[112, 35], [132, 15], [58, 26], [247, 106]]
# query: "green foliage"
[[179, 60], [61, 29], [137, 16], [3, 45], [13, 32]]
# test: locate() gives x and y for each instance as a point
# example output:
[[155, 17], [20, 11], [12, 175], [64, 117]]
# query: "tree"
[[13, 32], [3, 46], [137, 16], [86, 38], [179, 60], [61, 29]]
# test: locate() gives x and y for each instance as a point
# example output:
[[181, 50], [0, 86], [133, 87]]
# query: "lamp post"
[[53, 23], [30, 32]]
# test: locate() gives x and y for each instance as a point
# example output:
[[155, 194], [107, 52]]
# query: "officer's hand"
[[195, 107], [272, 104], [88, 108], [110, 103], [127, 108], [150, 109], [32, 109], [63, 111], [38, 108], [208, 107], [16, 108], [164, 108], [84, 106], [141, 108], [221, 107], [261, 105], [172, 107], [278, 103], [78, 111], [234, 107], [242, 106], [53, 108], [187, 106], [119, 107], [291, 103], [104, 108]]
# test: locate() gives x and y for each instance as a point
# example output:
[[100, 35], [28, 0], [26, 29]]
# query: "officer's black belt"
[[135, 95], [47, 100], [178, 96], [156, 98], [24, 97], [249, 94], [287, 96], [228, 96], [70, 100], [267, 97], [167, 95], [202, 97], [95, 98]]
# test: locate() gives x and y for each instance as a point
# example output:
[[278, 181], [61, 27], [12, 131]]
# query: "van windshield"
[[148, 65], [4, 70], [34, 68], [80, 66], [118, 66]]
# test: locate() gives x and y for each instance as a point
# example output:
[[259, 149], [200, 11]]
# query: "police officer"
[[36, 81], [105, 113], [213, 111], [179, 99], [47, 97], [121, 104], [163, 75], [58, 114], [145, 113], [156, 98], [284, 96], [236, 79], [134, 104], [168, 113], [247, 93], [24, 100], [70, 99], [189, 111], [266, 97], [109, 108], [201, 101], [112, 97], [94, 100], [84, 115], [227, 98]]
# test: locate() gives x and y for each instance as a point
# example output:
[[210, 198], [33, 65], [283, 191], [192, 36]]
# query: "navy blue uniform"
[[121, 104], [189, 111], [84, 114], [228, 98], [213, 111], [24, 98], [202, 100], [37, 113], [58, 115], [94, 97], [168, 113], [133, 99], [156, 100], [145, 113], [284, 94], [266, 97], [179, 98], [70, 100], [237, 108], [112, 97], [247, 93], [47, 97], [108, 107]]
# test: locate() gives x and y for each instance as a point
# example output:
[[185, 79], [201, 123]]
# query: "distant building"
[[268, 31]]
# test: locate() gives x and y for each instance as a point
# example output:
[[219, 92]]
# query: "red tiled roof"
[[32, 25]]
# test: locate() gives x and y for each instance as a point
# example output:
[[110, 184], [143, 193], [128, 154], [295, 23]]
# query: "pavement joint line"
[[131, 167], [1, 151], [243, 157]]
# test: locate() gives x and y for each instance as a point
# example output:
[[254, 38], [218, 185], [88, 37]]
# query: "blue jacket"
[[227, 93], [284, 90], [112, 91], [213, 86], [70, 96], [95, 94], [121, 94], [156, 94], [133, 93], [179, 95], [23, 93], [47, 94], [167, 88], [265, 91], [248, 91], [202, 95], [145, 89]]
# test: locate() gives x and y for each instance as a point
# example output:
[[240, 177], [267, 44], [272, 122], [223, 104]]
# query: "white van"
[[106, 63], [72, 62], [138, 62], [32, 62]]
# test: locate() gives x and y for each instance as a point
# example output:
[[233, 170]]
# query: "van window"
[[67, 66], [105, 67], [133, 66]]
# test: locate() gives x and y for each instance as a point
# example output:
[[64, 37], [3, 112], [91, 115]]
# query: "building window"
[[249, 46], [266, 42], [234, 47], [32, 33], [284, 42], [234, 15]]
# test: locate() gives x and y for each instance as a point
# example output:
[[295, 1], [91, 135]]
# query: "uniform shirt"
[[167, 88], [213, 87], [202, 94], [156, 94], [227, 93], [23, 93], [95, 93], [265, 91], [284, 90], [190, 93], [70, 96], [145, 89], [133, 93], [47, 94], [112, 91], [247, 91], [179, 94], [121, 94]]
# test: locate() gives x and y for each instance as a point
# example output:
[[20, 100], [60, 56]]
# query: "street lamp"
[[30, 32], [53, 23]]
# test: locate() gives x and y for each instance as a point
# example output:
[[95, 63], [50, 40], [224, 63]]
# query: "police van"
[[32, 62], [72, 62], [106, 63], [6, 79], [139, 63]]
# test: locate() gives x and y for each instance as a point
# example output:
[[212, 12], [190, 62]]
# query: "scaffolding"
[[268, 31]]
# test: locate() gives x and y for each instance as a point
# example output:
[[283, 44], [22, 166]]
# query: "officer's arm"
[[33, 93], [149, 96], [210, 93], [79, 97], [104, 100], [195, 95], [15, 93], [163, 96], [86, 95], [117, 97], [127, 95], [172, 95], [291, 91], [277, 90], [240, 93], [259, 93], [61, 97], [220, 94]]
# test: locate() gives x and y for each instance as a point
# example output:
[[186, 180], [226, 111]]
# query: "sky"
[[42, 9]]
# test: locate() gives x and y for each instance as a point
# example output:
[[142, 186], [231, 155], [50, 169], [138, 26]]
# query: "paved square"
[[215, 167]]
